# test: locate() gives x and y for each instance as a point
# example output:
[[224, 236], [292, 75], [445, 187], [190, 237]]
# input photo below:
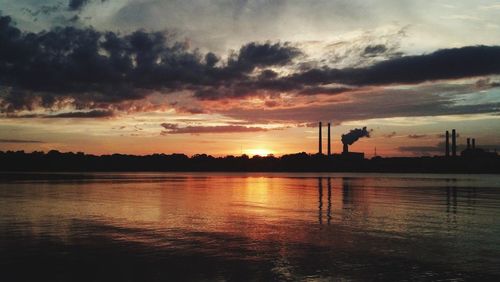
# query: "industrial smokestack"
[[320, 145], [329, 143], [468, 143], [353, 136], [453, 143], [473, 143], [345, 150], [447, 143]]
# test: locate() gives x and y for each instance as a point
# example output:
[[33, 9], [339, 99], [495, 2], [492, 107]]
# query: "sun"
[[258, 151]]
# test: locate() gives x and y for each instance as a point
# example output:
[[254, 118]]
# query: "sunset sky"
[[240, 76]]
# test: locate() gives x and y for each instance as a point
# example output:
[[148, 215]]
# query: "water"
[[223, 226]]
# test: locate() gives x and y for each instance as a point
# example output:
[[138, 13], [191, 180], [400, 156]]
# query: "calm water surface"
[[222, 226]]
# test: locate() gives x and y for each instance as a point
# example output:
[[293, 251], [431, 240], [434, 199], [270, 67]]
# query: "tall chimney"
[[468, 143], [453, 143], [346, 149], [447, 143], [320, 145], [329, 143], [473, 143]]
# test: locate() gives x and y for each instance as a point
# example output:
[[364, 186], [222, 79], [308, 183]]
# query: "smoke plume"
[[354, 135]]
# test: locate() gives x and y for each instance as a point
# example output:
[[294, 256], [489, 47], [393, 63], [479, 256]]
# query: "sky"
[[230, 77]]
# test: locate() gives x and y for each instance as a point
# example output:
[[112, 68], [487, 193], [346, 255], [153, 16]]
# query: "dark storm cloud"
[[75, 5], [78, 5], [93, 68], [171, 128], [443, 64], [263, 55]]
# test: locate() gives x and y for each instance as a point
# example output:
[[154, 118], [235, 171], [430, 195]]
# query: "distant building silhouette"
[[472, 152]]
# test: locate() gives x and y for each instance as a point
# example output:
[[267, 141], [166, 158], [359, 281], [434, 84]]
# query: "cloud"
[[171, 128], [390, 135], [254, 55], [454, 63], [89, 114], [371, 104], [486, 83], [44, 10], [87, 70], [374, 50], [76, 5], [324, 90], [247, 87], [490, 7], [445, 64], [19, 141], [76, 114], [417, 136], [420, 150], [59, 13], [91, 69]]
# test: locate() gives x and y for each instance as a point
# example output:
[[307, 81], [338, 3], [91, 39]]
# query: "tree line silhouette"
[[299, 162]]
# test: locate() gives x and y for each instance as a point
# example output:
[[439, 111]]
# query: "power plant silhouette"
[[347, 140], [471, 151]]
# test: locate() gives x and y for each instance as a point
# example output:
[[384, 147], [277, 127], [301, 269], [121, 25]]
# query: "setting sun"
[[259, 151]]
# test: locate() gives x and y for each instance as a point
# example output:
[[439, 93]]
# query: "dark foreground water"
[[207, 226]]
